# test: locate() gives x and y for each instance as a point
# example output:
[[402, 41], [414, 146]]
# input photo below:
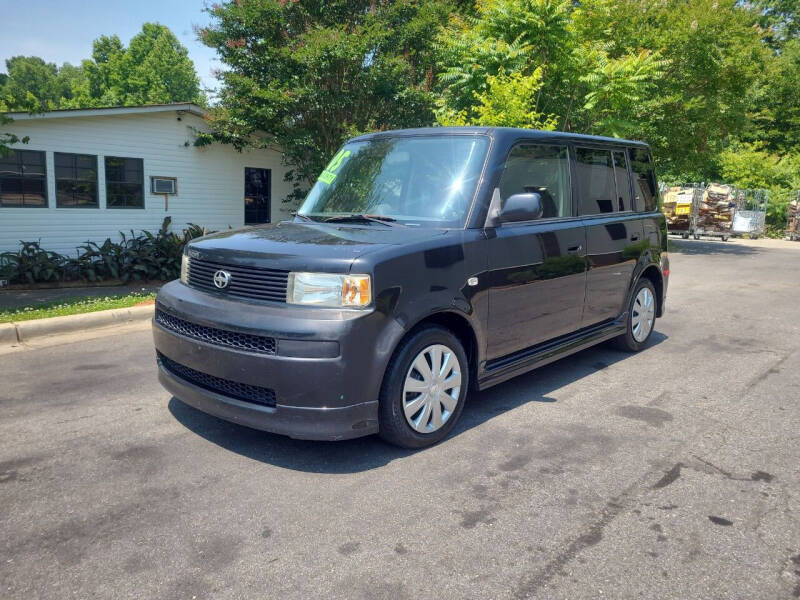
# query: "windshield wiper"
[[361, 218]]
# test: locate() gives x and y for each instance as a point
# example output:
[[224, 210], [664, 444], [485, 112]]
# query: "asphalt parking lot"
[[673, 473]]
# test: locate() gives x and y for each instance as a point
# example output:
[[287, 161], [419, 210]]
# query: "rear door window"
[[644, 179], [623, 181], [596, 184], [543, 169]]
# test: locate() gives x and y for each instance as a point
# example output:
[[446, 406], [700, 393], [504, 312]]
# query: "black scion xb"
[[423, 264]]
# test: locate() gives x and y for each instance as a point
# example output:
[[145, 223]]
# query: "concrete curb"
[[26, 331]]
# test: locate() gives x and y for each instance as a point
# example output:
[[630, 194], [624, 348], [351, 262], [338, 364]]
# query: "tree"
[[584, 84], [776, 103], [30, 84], [6, 139], [304, 76], [679, 73], [780, 20], [154, 69]]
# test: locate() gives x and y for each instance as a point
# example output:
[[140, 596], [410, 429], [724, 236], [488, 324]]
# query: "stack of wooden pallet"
[[716, 210], [793, 219], [678, 207]]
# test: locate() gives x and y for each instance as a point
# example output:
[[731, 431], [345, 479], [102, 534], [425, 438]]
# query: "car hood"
[[297, 246]]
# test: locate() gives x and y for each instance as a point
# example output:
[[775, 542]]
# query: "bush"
[[135, 258]]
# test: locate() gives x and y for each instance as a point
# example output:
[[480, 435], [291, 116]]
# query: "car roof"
[[506, 134]]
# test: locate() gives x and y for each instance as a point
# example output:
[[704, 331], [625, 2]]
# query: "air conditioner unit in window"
[[164, 185]]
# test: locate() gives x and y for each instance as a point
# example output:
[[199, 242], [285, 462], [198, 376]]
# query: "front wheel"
[[424, 388], [641, 318]]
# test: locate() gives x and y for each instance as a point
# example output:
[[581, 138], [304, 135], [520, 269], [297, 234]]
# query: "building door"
[[257, 197]]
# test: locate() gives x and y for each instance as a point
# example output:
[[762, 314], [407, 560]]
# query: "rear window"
[[595, 181], [644, 179]]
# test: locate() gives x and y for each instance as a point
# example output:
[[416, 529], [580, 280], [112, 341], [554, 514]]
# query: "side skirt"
[[507, 367]]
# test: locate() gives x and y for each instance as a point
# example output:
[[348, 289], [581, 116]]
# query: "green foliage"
[[750, 166], [578, 81], [311, 74], [507, 101], [6, 139], [140, 257], [155, 68], [74, 306]]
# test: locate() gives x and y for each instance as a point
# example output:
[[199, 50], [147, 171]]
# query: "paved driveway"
[[673, 473]]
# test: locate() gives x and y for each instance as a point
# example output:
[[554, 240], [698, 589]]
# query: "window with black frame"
[[542, 169], [76, 180], [644, 179], [124, 182], [23, 179], [596, 182]]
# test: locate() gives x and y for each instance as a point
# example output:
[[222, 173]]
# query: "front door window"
[[256, 196]]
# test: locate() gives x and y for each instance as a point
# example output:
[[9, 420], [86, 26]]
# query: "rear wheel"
[[424, 388], [641, 318], [685, 236]]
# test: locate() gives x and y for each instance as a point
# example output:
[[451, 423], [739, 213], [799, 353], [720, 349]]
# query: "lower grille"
[[218, 337], [226, 387]]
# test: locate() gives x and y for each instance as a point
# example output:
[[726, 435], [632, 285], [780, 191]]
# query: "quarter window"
[[76, 180], [23, 179], [542, 169], [623, 181], [124, 182], [644, 179], [595, 181]]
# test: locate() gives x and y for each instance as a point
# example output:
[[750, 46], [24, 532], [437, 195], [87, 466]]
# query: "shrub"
[[136, 257]]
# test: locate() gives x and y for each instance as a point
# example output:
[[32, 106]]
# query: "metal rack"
[[680, 207], [751, 212], [713, 216]]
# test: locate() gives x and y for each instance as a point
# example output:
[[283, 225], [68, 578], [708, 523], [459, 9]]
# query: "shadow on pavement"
[[716, 246], [371, 452]]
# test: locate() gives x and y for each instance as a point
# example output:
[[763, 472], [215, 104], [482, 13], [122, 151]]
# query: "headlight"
[[185, 269], [329, 289]]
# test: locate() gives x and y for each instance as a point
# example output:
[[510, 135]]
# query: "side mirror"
[[522, 207]]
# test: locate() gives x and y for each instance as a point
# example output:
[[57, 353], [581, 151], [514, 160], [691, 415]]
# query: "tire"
[[628, 341], [724, 238], [394, 426], [685, 236]]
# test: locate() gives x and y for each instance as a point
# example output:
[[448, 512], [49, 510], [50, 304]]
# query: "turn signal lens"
[[329, 289], [356, 290]]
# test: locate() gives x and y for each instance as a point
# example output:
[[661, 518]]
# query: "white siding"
[[210, 179]]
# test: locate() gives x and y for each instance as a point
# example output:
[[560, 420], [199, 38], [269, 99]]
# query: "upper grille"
[[219, 337], [226, 387], [254, 283]]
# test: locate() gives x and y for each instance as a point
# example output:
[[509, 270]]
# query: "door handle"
[[635, 237], [573, 249]]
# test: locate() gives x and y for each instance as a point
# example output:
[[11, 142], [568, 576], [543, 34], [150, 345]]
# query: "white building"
[[88, 174]]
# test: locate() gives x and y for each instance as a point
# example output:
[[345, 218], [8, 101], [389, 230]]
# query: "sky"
[[63, 31]]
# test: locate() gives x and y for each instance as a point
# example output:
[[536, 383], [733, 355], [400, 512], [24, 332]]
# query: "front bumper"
[[301, 423], [318, 393]]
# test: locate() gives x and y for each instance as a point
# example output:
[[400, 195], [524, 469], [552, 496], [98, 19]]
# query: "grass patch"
[[73, 306]]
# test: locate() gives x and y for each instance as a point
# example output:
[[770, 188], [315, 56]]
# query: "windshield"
[[416, 181]]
